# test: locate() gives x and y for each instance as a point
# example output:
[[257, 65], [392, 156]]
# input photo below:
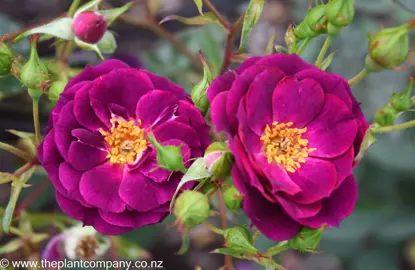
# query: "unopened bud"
[[386, 116], [6, 59], [239, 239], [290, 39], [402, 101], [55, 90], [89, 26], [34, 73], [303, 31], [169, 157], [316, 20], [340, 13], [232, 198], [218, 159], [191, 208], [307, 239], [388, 48]]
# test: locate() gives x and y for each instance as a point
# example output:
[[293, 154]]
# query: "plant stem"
[[397, 127], [303, 45], [222, 20], [362, 74], [224, 225], [323, 51], [281, 246], [213, 228], [229, 44], [11, 149], [36, 120], [73, 7], [32, 196]]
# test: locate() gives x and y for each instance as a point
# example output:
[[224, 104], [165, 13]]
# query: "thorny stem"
[[229, 43], [15, 151], [222, 20], [224, 225], [161, 32], [362, 74], [36, 120], [323, 51], [303, 45], [397, 127]]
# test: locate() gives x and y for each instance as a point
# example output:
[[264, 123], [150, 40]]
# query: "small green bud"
[[218, 159], [401, 102], [239, 239], [340, 13], [389, 47], [386, 116], [232, 198], [34, 73], [303, 31], [6, 59], [56, 89], [169, 157], [307, 239], [191, 208], [316, 20], [199, 90], [290, 39]]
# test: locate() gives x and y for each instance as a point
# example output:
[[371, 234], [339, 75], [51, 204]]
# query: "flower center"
[[285, 145], [86, 248], [126, 141]]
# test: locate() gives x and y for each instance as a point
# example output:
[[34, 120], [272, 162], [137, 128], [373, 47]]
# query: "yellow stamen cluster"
[[125, 141], [285, 145]]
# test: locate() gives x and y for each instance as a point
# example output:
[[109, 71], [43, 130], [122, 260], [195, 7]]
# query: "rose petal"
[[344, 165], [65, 124], [99, 187], [83, 111], [221, 84], [247, 64], [333, 131], [163, 83], [340, 205], [104, 227], [71, 207], [156, 107], [84, 157], [297, 102], [177, 130], [317, 179], [289, 63], [297, 210], [133, 219], [90, 138], [218, 113]]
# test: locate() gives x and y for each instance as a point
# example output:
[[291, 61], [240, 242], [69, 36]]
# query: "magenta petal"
[[84, 157], [258, 99], [163, 83], [133, 219], [54, 249], [177, 130], [250, 140], [247, 64], [99, 187], [83, 111], [269, 218], [71, 207], [50, 153], [317, 179], [221, 84], [90, 138], [297, 102], [340, 205], [344, 165], [123, 87], [296, 210], [91, 73], [142, 194], [156, 107], [63, 128], [289, 63], [333, 131], [94, 219], [69, 177], [218, 113]]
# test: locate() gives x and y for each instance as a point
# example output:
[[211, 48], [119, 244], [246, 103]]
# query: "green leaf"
[[60, 28], [196, 172], [17, 187], [42, 219], [23, 135], [111, 15], [89, 47], [228, 251], [11, 246], [169, 157], [199, 5], [107, 44], [24, 224], [207, 18], [92, 5], [326, 62], [368, 140], [270, 47], [39, 237], [199, 91], [252, 15]]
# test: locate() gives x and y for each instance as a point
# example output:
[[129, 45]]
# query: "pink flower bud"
[[89, 27]]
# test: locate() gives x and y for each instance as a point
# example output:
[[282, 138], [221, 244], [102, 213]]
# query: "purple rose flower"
[[294, 131], [89, 26], [97, 154]]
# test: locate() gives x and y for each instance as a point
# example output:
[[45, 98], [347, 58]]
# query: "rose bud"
[[303, 31], [34, 73], [232, 198], [6, 59], [56, 89], [388, 48], [386, 116], [89, 27], [290, 39], [339, 13], [239, 239], [191, 208], [294, 131], [307, 239], [401, 102], [218, 159], [316, 20]]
